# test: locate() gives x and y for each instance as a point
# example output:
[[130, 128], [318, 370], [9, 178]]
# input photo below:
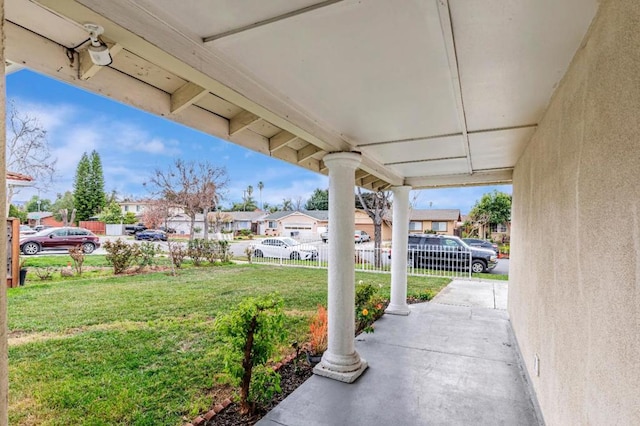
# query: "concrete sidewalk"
[[451, 361]]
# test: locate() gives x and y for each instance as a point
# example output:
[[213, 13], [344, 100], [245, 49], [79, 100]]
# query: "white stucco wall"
[[574, 291]]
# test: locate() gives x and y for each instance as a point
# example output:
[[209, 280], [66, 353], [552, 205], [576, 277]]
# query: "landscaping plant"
[[121, 255], [77, 255], [148, 252], [252, 332], [369, 307], [318, 331]]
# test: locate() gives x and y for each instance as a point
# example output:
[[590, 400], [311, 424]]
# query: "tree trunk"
[[191, 226], [247, 366], [205, 227]]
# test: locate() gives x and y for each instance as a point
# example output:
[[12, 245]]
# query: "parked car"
[[448, 252], [361, 237], [27, 230], [134, 229], [59, 238], [284, 248], [151, 235], [475, 242], [39, 228], [167, 229]]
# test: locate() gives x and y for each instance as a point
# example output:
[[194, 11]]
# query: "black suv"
[[448, 252]]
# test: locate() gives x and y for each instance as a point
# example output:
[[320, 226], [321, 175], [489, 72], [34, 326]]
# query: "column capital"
[[401, 188], [345, 158]]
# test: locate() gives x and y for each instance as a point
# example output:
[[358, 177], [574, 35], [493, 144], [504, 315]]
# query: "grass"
[[141, 349]]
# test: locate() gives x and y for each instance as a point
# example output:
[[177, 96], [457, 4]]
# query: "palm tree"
[[260, 187]]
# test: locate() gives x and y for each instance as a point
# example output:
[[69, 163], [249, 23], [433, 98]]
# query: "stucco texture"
[[574, 291]]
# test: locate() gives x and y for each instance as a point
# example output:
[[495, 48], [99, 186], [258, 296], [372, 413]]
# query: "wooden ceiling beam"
[[307, 152], [281, 140], [87, 68], [241, 121], [186, 95]]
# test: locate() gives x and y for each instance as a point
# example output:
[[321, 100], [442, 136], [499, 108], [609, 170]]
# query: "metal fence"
[[438, 261]]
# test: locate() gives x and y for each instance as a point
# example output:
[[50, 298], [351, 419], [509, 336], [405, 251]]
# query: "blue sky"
[[133, 143]]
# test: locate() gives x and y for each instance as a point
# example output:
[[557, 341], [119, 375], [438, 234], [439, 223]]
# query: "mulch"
[[292, 375]]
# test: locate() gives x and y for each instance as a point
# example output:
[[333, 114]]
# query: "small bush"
[[44, 273], [318, 330], [251, 333], [249, 250], [197, 250], [121, 255], [148, 253], [177, 254], [369, 307], [225, 253], [77, 255]]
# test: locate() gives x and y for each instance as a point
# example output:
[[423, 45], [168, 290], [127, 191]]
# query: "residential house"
[[440, 221], [236, 221], [42, 218], [306, 224], [311, 223]]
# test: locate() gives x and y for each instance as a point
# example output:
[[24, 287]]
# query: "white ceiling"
[[433, 93]]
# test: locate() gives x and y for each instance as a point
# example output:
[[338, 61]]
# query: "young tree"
[[112, 213], [376, 205], [319, 200], [195, 186], [492, 209], [15, 212], [62, 202], [28, 150]]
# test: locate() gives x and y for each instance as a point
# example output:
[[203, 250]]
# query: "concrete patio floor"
[[451, 361]]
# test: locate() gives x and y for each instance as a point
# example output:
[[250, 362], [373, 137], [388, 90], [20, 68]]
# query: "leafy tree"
[[195, 186], [492, 209], [111, 213], [96, 183], [287, 205], [28, 150], [376, 205], [62, 202], [15, 212], [129, 218], [88, 188], [32, 204], [319, 200]]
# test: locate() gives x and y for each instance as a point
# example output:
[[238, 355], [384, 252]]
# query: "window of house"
[[415, 225], [439, 226], [137, 208], [499, 227], [126, 208], [273, 224]]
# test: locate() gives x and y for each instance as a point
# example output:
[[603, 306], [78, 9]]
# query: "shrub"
[[318, 331], [369, 307], [148, 252], [251, 333], [44, 273], [176, 254], [77, 255], [121, 255], [249, 252], [197, 250], [225, 253]]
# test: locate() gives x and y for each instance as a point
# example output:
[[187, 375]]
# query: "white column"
[[399, 240], [341, 361]]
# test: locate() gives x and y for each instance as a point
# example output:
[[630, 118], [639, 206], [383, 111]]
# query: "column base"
[[346, 377], [398, 310], [344, 368]]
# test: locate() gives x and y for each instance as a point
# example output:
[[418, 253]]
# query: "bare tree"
[[28, 150], [197, 187], [217, 219], [376, 205], [156, 214], [298, 203]]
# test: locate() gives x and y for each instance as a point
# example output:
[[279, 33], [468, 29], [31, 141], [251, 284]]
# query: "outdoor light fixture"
[[98, 50]]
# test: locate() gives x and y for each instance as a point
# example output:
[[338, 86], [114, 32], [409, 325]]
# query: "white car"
[[285, 248], [361, 237], [27, 230]]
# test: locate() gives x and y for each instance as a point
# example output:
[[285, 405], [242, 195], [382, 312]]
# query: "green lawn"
[[140, 349]]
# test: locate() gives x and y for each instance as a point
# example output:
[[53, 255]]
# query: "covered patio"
[[409, 95], [452, 361]]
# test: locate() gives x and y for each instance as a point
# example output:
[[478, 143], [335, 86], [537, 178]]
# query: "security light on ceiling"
[[98, 50]]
